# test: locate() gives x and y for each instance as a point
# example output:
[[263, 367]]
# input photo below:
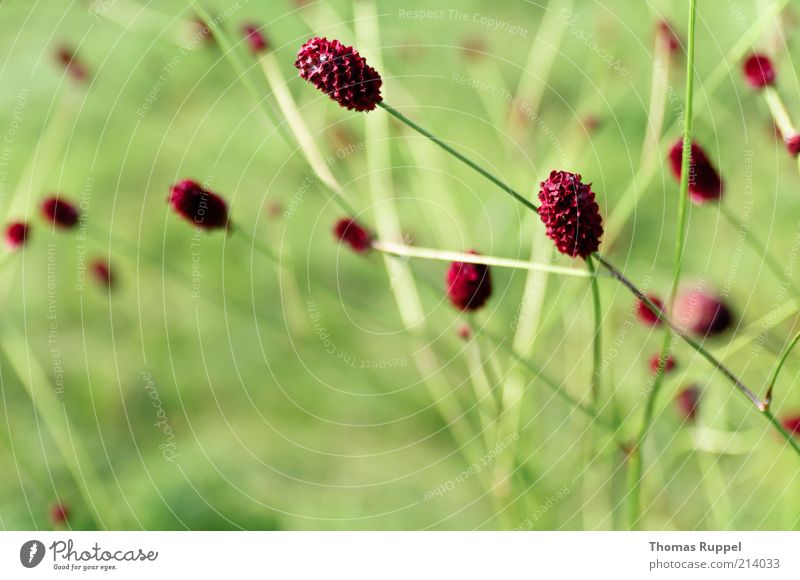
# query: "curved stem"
[[598, 333], [680, 242], [778, 366], [448, 256], [502, 185], [758, 247]]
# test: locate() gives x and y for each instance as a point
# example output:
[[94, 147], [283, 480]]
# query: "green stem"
[[619, 276], [778, 366], [448, 256], [680, 242], [502, 185], [758, 247], [598, 333]]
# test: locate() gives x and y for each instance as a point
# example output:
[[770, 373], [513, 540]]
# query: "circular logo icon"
[[31, 553]]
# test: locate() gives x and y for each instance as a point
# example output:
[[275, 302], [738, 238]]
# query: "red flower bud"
[[16, 235], [254, 38], [793, 145], [792, 424], [59, 514], [197, 205], [75, 68], [688, 401], [350, 232], [59, 212], [468, 285], [341, 73], [570, 214], [669, 363], [646, 315], [758, 71], [702, 314], [101, 270], [705, 184], [668, 36]]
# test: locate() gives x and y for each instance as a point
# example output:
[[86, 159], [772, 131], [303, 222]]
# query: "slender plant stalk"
[[778, 366], [467, 161], [758, 247], [597, 351], [680, 242], [780, 115], [448, 256], [54, 415], [645, 172], [619, 276]]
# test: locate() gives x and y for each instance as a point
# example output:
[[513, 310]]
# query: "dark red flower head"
[[66, 58], [758, 71], [468, 285], [16, 235], [688, 401], [705, 184], [350, 232], [101, 270], [793, 145], [792, 424], [255, 40], [199, 206], [646, 315], [59, 212], [702, 313], [667, 35], [59, 514], [669, 363], [340, 72], [570, 214]]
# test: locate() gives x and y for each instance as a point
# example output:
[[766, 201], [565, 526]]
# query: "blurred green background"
[[212, 389]]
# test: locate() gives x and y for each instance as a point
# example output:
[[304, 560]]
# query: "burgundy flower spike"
[[792, 424], [66, 57], [59, 514], [758, 71], [468, 285], [702, 313], [101, 270], [60, 213], [688, 401], [16, 235], [254, 38], [793, 145], [204, 208], [669, 363], [570, 214], [341, 73], [705, 184], [646, 315], [350, 232]]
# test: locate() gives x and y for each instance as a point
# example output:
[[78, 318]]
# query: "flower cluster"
[[570, 214], [469, 286], [341, 73]]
